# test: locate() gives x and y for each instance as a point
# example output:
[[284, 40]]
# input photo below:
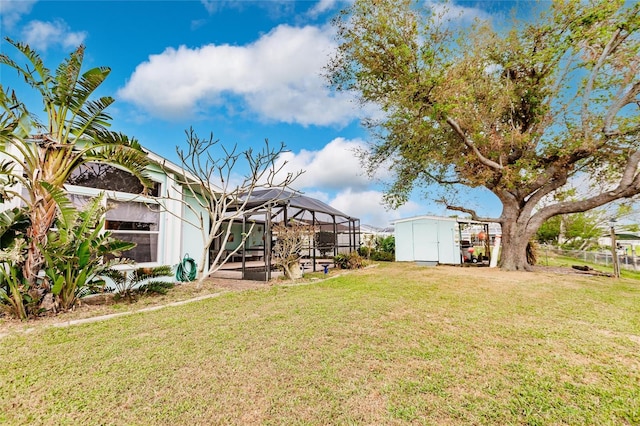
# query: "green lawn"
[[396, 344]]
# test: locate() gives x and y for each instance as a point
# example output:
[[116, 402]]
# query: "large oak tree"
[[522, 110]]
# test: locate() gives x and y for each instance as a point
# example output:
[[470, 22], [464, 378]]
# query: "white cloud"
[[12, 11], [368, 207], [334, 175], [272, 8], [321, 7], [278, 76], [210, 5], [453, 13], [336, 166], [40, 35]]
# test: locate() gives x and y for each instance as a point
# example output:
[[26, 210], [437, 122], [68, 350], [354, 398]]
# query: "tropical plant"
[[13, 224], [287, 251], [141, 280], [37, 154], [15, 297], [79, 251], [521, 111], [386, 244]]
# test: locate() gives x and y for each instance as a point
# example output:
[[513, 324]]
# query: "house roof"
[[627, 237]]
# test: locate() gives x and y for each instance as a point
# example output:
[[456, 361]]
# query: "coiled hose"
[[187, 269]]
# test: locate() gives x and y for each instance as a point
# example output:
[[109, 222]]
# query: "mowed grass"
[[392, 345]]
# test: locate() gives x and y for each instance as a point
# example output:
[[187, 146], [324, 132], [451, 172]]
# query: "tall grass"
[[397, 344]]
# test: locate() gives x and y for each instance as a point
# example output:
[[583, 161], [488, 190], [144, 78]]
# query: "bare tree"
[[217, 198], [287, 252]]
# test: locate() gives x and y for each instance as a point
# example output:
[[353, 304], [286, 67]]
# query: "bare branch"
[[470, 212], [208, 191]]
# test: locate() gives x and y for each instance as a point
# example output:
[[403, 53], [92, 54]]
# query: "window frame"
[[126, 198]]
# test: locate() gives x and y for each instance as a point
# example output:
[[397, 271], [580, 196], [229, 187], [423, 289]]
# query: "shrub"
[[386, 244], [17, 297], [364, 251], [76, 252], [156, 287], [128, 284], [383, 256], [352, 260]]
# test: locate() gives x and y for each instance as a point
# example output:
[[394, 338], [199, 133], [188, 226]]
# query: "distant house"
[[628, 243]]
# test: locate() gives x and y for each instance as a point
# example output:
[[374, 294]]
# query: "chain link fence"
[[603, 257]]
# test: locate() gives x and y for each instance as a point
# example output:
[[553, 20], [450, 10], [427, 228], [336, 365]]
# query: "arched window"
[[132, 220], [109, 178]]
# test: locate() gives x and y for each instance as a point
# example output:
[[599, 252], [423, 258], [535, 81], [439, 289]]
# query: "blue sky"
[[246, 71]]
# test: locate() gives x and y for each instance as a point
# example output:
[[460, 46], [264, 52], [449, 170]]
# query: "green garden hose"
[[187, 269]]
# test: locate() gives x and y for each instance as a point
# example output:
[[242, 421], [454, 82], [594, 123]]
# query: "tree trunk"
[[513, 254], [42, 217], [293, 271], [517, 231]]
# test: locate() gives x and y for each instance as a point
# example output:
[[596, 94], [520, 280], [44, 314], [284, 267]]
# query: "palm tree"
[[43, 155]]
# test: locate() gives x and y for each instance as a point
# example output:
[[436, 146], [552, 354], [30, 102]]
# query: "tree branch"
[[621, 102], [472, 146], [471, 212], [628, 186], [586, 98]]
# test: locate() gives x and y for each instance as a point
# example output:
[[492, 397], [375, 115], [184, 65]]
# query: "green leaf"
[[68, 212], [84, 253], [58, 285]]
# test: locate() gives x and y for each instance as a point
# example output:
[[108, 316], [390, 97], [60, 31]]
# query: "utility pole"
[[614, 250]]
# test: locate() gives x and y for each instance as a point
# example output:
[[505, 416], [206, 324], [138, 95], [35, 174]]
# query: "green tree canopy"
[[520, 112]]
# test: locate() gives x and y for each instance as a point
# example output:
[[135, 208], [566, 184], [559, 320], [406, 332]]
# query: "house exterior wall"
[[192, 234], [175, 236]]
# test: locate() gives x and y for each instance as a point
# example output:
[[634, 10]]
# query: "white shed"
[[429, 240]]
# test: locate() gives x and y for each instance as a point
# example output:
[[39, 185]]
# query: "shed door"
[[425, 241], [447, 250]]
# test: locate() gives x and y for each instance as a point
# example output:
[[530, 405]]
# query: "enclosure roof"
[[283, 198]]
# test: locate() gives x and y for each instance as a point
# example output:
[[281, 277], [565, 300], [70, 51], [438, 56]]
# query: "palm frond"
[[90, 117], [43, 83], [89, 82], [66, 78], [12, 223], [68, 212], [16, 119], [91, 217]]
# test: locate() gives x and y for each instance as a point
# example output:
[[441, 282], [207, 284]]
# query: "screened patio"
[[335, 232]]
